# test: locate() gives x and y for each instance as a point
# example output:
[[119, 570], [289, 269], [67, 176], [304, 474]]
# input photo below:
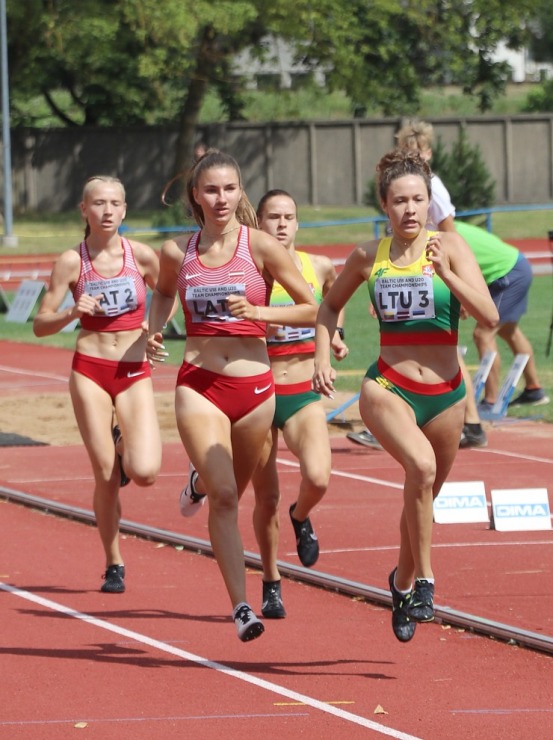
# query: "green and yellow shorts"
[[426, 400]]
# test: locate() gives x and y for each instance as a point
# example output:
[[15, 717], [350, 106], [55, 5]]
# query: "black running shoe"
[[272, 607], [116, 434], [247, 624], [402, 625], [473, 438], [531, 397], [114, 580], [421, 606], [365, 438], [306, 540]]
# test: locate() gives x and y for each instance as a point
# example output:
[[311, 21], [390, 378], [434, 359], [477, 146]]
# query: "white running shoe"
[[247, 624], [191, 502]]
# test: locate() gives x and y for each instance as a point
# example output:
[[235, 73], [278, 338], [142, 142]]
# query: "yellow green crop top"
[[289, 339], [413, 304]]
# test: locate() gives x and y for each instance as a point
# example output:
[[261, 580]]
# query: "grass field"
[[40, 235]]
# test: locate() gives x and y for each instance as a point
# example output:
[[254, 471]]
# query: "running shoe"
[[485, 407], [247, 624], [125, 480], [191, 502], [272, 607], [473, 438], [114, 580], [365, 438], [421, 604], [402, 625], [533, 397], [306, 540]]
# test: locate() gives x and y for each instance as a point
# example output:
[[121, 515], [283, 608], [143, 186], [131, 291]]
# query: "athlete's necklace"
[[401, 243], [405, 243]]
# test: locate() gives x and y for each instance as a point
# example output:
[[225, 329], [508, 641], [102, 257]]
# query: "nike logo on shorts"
[[135, 375], [257, 391]]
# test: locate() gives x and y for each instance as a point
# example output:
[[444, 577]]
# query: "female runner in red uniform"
[[107, 276], [225, 390]]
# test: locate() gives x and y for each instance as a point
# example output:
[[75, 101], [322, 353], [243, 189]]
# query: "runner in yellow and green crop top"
[[412, 398], [412, 303], [299, 411]]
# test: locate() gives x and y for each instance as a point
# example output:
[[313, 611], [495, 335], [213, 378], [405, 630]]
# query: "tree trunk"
[[188, 119]]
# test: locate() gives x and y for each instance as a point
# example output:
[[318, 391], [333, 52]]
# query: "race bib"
[[288, 333], [402, 298], [118, 294], [209, 302], [291, 334]]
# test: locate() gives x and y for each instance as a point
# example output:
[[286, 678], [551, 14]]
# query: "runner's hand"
[[323, 379], [155, 349]]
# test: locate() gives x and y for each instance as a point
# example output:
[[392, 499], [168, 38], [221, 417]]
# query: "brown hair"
[[275, 193], [89, 186], [245, 212], [398, 163]]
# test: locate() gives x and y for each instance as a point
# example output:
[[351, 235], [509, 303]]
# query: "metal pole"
[[9, 240]]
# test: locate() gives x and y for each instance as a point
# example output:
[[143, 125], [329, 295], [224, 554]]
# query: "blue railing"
[[377, 221], [488, 212]]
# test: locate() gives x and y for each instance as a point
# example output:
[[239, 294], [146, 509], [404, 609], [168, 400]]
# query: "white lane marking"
[[124, 720], [445, 545], [517, 455], [353, 476], [63, 378], [34, 373], [290, 463], [185, 655]]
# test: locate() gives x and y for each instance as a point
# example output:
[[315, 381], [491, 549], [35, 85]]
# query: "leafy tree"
[[541, 28], [127, 63], [464, 173], [85, 49], [541, 99], [120, 63], [387, 51], [541, 47]]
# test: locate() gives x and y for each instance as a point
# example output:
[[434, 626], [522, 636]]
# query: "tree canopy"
[[119, 63]]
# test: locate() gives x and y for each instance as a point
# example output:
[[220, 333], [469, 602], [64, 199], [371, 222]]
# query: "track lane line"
[[220, 667], [342, 474], [517, 455], [34, 373], [437, 546]]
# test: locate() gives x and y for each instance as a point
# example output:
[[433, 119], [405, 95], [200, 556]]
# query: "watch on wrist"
[[341, 332]]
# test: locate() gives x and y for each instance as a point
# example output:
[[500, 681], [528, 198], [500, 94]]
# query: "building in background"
[[280, 70], [525, 69]]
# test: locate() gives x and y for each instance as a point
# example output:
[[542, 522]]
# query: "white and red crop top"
[[203, 291], [123, 296]]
